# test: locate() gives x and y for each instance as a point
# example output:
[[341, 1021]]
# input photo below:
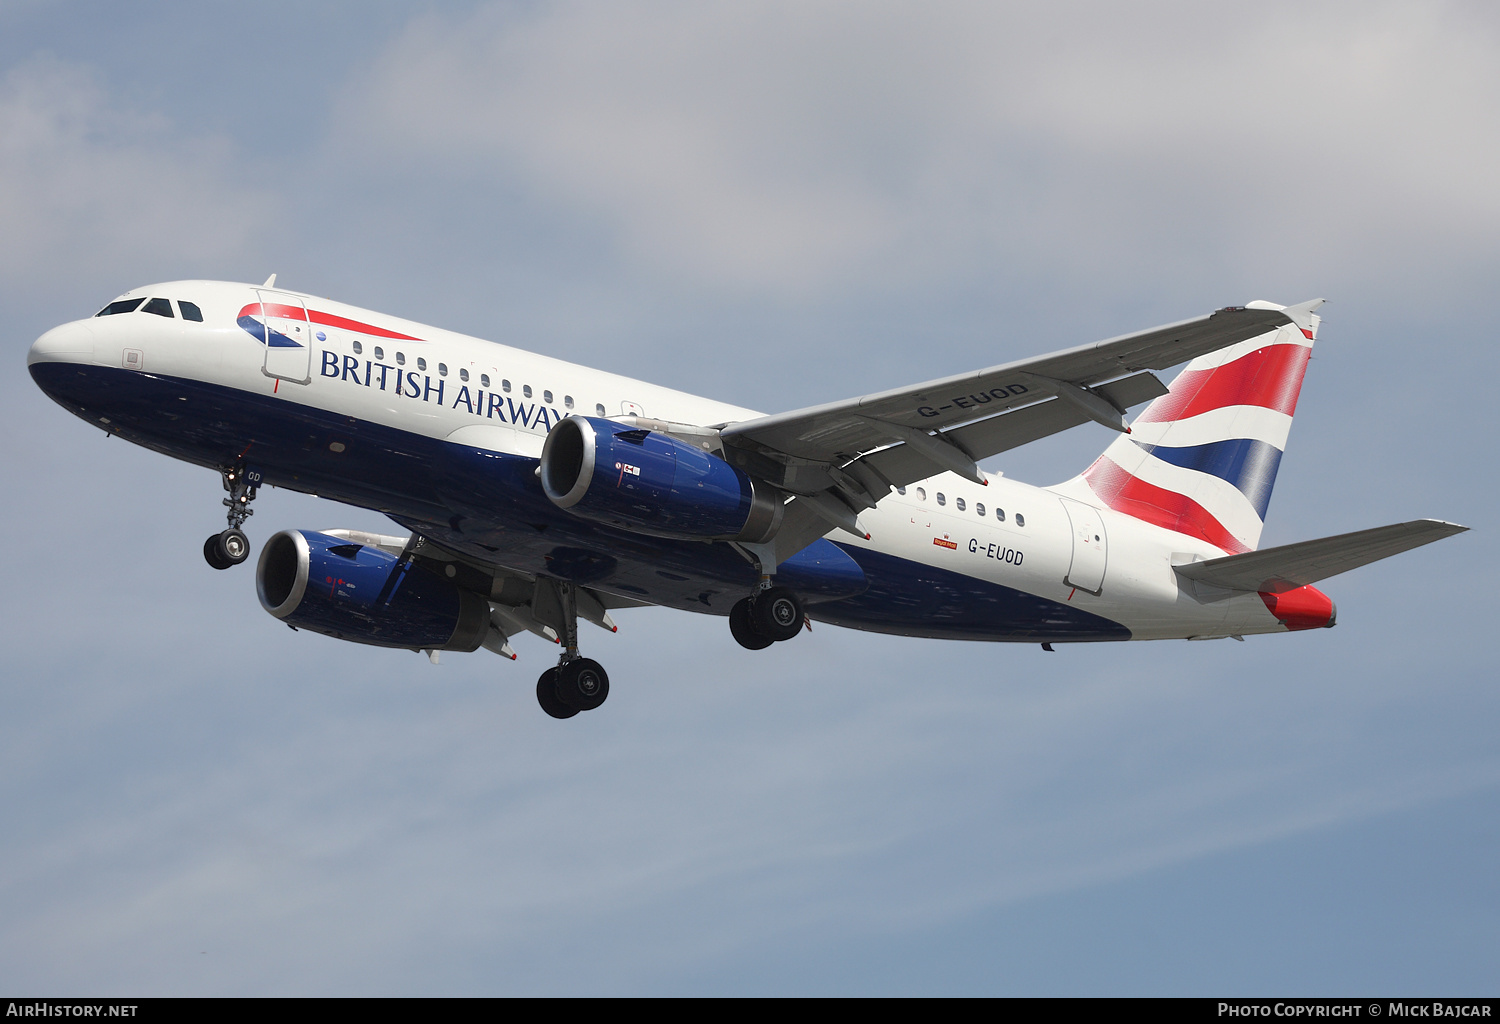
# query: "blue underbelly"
[[911, 599]]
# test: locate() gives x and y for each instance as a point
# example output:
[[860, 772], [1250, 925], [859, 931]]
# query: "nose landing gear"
[[232, 546], [222, 550], [577, 683]]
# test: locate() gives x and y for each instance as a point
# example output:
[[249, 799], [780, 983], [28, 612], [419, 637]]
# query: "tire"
[[582, 684], [744, 631], [211, 553], [546, 696], [233, 547], [777, 613]]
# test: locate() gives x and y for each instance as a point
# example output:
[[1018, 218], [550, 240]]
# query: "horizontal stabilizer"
[[1277, 570]]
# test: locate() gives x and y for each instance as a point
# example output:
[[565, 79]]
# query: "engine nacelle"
[[356, 592], [652, 483]]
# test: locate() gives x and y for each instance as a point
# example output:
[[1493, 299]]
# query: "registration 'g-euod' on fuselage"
[[536, 492]]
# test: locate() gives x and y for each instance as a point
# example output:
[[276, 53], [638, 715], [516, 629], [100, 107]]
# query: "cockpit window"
[[190, 310], [161, 307], [120, 306]]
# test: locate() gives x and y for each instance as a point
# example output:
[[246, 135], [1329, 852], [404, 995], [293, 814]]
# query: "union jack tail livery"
[[1201, 460]]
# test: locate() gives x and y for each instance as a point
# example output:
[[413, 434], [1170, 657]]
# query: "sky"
[[772, 204]]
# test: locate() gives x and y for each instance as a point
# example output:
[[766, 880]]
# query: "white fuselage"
[[441, 386]]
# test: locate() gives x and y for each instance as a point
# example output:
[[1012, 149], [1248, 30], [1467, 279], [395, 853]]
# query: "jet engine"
[[652, 483], [360, 593]]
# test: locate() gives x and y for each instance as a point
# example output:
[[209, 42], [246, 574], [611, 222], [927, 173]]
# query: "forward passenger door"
[[288, 337]]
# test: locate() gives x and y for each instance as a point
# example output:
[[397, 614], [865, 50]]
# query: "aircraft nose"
[[69, 343]]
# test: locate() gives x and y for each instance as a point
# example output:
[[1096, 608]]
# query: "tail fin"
[[1201, 460]]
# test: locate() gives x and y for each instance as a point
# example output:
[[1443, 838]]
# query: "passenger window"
[[190, 311], [979, 509], [1020, 519], [505, 386], [599, 409], [463, 374], [161, 307], [526, 390], [901, 490], [568, 401], [1000, 514], [358, 348], [421, 363], [941, 500], [484, 380], [959, 502], [379, 352], [921, 494], [120, 306], [547, 397], [400, 358], [442, 369]]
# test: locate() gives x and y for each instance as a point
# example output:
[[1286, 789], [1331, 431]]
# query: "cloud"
[[88, 185], [329, 818], [789, 147]]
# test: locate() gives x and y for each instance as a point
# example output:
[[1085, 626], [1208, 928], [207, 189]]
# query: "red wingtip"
[[867, 536], [1127, 430]]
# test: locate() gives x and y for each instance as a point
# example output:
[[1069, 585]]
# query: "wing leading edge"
[[841, 458]]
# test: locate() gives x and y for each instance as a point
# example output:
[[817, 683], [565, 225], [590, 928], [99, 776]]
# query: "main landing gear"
[[768, 615], [577, 683], [232, 546]]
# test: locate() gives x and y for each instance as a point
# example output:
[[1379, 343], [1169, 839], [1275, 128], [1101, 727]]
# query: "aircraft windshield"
[[120, 306], [161, 307]]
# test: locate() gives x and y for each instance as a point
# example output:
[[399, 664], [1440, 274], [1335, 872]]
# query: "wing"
[[1277, 570], [841, 458], [519, 601]]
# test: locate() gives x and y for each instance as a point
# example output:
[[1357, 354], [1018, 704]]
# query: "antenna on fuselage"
[[270, 281]]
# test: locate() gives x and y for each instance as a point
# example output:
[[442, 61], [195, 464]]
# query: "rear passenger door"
[[1090, 547]]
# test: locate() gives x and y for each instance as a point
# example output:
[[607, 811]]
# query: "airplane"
[[534, 492]]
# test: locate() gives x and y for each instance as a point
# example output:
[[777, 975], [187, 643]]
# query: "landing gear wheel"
[[211, 553], [233, 546], [546, 696], [582, 684], [777, 613], [743, 629]]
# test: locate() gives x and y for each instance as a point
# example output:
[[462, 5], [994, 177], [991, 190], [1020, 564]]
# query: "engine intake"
[[648, 482], [355, 592]]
